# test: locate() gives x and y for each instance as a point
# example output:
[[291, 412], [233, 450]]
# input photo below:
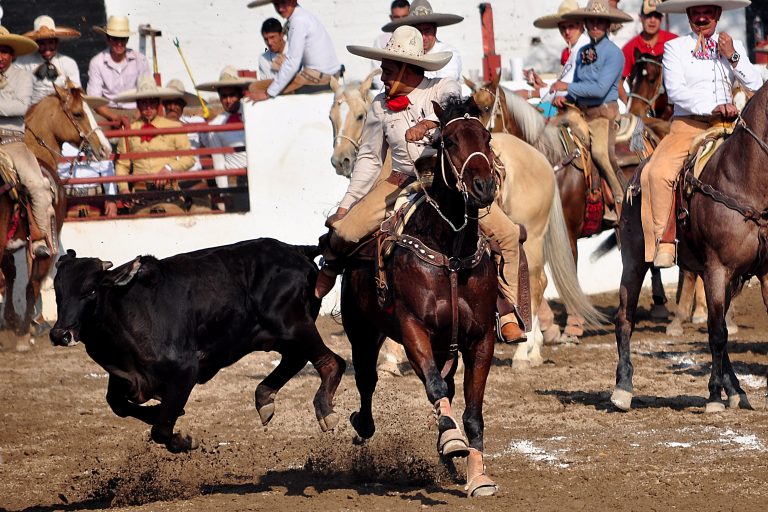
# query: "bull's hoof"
[[521, 364], [365, 432], [675, 328], [329, 422], [266, 413], [659, 312], [182, 443], [739, 401], [714, 407], [264, 398], [452, 443], [621, 399], [551, 334]]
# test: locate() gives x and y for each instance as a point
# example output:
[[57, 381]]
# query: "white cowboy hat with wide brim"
[[421, 12], [553, 20], [45, 28], [599, 9], [21, 45], [680, 6], [178, 86], [117, 26], [147, 88], [95, 101], [227, 78], [259, 3], [406, 45]]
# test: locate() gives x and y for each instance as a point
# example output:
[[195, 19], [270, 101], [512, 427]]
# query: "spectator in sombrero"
[[47, 65]]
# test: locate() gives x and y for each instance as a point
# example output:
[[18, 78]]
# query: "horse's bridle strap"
[[439, 259]]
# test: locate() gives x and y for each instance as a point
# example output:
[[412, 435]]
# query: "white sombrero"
[[227, 78], [45, 28], [21, 45], [178, 86], [147, 88], [95, 101], [405, 45], [421, 12], [117, 26], [259, 3], [599, 9], [553, 20], [680, 6]]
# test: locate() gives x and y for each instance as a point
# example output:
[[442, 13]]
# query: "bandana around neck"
[[705, 49], [398, 104]]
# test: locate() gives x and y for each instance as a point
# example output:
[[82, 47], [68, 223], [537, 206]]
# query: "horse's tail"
[[557, 254], [605, 247]]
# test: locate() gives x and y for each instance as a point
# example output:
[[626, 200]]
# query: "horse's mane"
[[455, 106], [533, 129]]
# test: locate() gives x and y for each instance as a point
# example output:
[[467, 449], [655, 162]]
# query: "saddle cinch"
[[378, 248]]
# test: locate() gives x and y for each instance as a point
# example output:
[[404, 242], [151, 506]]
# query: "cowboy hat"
[[421, 12], [406, 45], [95, 101], [259, 3], [176, 85], [45, 28], [21, 45], [227, 78], [117, 26], [600, 9], [553, 20], [147, 88], [680, 6]]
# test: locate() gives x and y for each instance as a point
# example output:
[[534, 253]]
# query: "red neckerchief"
[[398, 104], [235, 118], [147, 138], [564, 56]]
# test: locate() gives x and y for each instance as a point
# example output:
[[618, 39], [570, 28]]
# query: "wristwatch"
[[734, 58]]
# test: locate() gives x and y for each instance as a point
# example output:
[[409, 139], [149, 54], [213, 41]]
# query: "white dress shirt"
[[86, 170], [266, 65], [569, 68], [385, 130], [66, 66], [227, 139], [194, 137], [697, 86], [309, 46], [452, 69], [15, 98]]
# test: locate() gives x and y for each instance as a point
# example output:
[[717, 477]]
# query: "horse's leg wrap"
[[451, 442], [478, 483]]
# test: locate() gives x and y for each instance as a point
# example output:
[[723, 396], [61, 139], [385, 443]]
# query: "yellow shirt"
[[153, 165]]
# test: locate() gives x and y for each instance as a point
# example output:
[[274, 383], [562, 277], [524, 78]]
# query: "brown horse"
[[61, 117], [723, 235], [648, 97], [440, 276]]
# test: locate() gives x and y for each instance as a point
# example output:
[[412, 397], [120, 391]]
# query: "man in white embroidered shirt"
[[310, 59], [699, 70]]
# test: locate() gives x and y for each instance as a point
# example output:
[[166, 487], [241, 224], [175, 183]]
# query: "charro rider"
[[699, 70], [401, 115], [15, 99], [595, 87]]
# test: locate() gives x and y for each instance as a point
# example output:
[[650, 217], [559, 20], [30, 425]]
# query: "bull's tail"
[[557, 254], [309, 251]]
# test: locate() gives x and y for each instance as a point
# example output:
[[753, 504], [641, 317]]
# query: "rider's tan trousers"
[[367, 214], [659, 177], [39, 188], [602, 134]]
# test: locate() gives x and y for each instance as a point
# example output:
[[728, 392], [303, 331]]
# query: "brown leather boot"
[[510, 332], [665, 255], [326, 279]]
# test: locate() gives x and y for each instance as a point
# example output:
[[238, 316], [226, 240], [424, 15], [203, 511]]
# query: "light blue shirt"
[[597, 83]]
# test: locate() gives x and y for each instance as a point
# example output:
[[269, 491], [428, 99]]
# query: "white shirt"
[[66, 66], [569, 68], [194, 138], [266, 65], [227, 139], [86, 170], [385, 130], [309, 46], [452, 69], [697, 86]]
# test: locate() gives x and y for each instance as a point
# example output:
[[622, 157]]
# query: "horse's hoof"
[[264, 399], [536, 361], [551, 334], [713, 407], [569, 339], [699, 319], [329, 422], [675, 329], [266, 413], [182, 443], [739, 401], [23, 346], [521, 364], [358, 441], [452, 443], [732, 329], [481, 486], [659, 312], [622, 399], [354, 419]]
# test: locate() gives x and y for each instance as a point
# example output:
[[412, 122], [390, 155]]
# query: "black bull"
[[158, 327]]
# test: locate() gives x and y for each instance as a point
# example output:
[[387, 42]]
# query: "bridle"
[[651, 102], [495, 109], [341, 136]]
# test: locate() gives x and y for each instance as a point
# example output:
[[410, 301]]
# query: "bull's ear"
[[123, 274], [106, 265], [438, 110], [66, 257]]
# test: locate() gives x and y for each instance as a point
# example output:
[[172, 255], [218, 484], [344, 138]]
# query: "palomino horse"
[[530, 198], [440, 274], [722, 237], [58, 118]]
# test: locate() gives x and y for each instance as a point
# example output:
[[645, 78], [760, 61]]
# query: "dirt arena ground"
[[553, 441]]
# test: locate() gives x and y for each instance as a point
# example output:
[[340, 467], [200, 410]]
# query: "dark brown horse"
[[61, 117], [443, 294], [723, 238], [648, 97]]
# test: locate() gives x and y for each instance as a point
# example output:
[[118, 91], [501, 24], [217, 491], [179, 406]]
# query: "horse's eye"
[[447, 142], [78, 115], [360, 117], [486, 109]]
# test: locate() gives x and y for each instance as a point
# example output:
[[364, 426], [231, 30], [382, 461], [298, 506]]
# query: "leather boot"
[[326, 279], [510, 332], [665, 255]]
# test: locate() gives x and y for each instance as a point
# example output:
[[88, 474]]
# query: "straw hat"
[[21, 45], [45, 28], [600, 9], [95, 101], [227, 78], [421, 12], [405, 45], [117, 26], [147, 88], [176, 85], [553, 20], [679, 6], [259, 3]]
